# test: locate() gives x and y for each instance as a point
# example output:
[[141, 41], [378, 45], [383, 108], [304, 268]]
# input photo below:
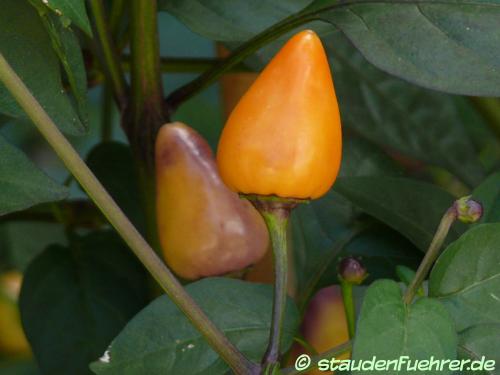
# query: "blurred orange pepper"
[[205, 229], [284, 136], [13, 342], [324, 326], [233, 85]]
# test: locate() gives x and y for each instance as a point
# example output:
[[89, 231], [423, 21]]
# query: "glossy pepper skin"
[[284, 136], [205, 229]]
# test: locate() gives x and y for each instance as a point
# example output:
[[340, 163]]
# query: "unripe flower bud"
[[352, 270], [468, 210]]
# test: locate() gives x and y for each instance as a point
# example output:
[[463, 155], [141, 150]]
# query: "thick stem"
[[276, 214], [110, 61], [146, 108], [120, 222], [349, 309], [432, 253]]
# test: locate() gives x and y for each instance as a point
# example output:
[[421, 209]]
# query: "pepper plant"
[[142, 258]]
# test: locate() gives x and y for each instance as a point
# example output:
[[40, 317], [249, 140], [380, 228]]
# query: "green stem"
[[111, 63], [187, 64], [120, 222], [146, 110], [329, 354], [432, 253], [276, 214], [349, 309]]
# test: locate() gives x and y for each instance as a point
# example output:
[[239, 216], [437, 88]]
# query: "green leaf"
[[112, 163], [388, 329], [231, 20], [72, 9], [412, 208], [27, 47], [328, 228], [422, 124], [466, 277], [22, 184], [160, 339], [68, 50], [18, 367], [75, 300], [488, 193], [22, 241], [382, 249], [447, 45], [482, 340]]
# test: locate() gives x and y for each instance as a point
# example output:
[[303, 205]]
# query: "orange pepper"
[[205, 229], [284, 136], [324, 326]]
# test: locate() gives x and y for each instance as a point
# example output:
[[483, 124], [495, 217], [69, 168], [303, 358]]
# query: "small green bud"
[[352, 270], [468, 210]]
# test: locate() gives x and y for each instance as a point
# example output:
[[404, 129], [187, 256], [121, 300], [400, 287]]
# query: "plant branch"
[[110, 61], [120, 222], [432, 253], [146, 113]]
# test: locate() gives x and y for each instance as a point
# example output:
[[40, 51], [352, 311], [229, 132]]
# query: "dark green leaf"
[[411, 207], [27, 47], [324, 229], [22, 184], [447, 45], [113, 164], [381, 249], [74, 10], [388, 329], [488, 193], [18, 367], [67, 48], [75, 300], [160, 340], [466, 277], [422, 124], [478, 341], [23, 241], [231, 20]]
